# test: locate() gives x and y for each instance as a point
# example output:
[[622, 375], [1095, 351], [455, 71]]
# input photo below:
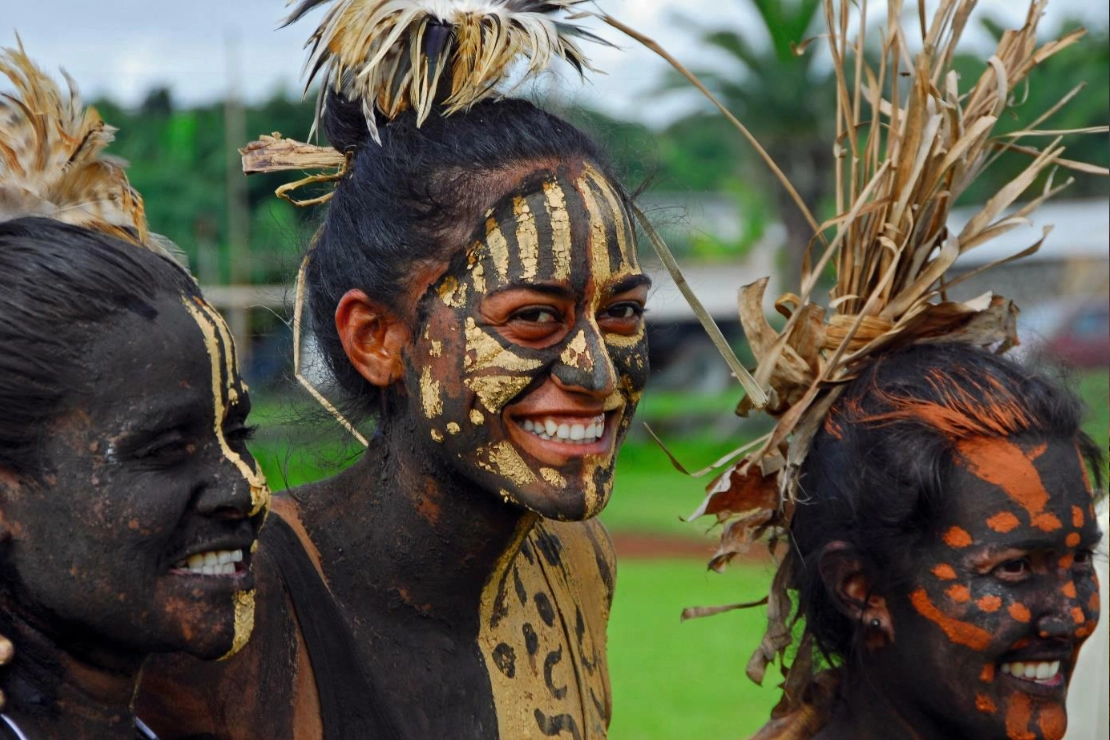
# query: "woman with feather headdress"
[[128, 510], [475, 289]]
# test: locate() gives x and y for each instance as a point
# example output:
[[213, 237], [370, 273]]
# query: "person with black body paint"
[[129, 504], [475, 288]]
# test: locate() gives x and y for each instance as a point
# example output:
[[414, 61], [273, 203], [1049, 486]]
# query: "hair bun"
[[344, 122]]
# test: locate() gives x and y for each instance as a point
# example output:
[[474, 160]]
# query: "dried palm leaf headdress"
[[911, 136], [432, 56], [52, 160]]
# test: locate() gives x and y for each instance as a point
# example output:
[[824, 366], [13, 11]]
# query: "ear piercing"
[[876, 623]]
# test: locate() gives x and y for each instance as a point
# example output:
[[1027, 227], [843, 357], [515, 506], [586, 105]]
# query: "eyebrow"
[[630, 283], [550, 289]]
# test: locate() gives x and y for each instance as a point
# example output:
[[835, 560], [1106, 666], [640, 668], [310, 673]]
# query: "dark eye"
[[240, 434], [622, 318], [625, 311], [167, 451], [537, 315], [1085, 558], [1015, 568]]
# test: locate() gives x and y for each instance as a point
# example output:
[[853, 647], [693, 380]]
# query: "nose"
[[1068, 616], [236, 489], [585, 365]]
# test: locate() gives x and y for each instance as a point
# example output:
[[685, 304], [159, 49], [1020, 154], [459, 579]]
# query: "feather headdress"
[[52, 160], [393, 55], [910, 139]]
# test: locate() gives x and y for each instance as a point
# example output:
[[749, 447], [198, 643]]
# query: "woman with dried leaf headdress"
[[931, 499], [474, 288], [129, 504]]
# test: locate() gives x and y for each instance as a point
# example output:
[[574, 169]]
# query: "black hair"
[[392, 212], [876, 475], [58, 283]]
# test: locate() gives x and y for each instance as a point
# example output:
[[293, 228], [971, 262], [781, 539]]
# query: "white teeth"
[[212, 563], [1040, 671], [566, 432]]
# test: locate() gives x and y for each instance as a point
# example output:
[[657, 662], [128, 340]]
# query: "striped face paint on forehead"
[[1005, 593], [532, 355]]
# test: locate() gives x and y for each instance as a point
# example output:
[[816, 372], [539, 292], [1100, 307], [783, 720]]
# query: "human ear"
[[852, 592], [373, 337]]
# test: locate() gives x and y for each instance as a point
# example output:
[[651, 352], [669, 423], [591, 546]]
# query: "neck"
[[866, 712], [56, 689], [427, 540]]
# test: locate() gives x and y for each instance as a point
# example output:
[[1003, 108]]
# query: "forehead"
[[142, 364], [1020, 488], [568, 225]]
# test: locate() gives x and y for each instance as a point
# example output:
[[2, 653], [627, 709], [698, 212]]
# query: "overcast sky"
[[123, 48]]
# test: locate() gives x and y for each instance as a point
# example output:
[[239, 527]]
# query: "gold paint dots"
[[498, 249], [244, 621], [453, 428], [429, 394], [527, 239], [452, 293], [577, 351], [476, 418], [437, 436], [553, 477], [556, 203], [436, 348], [510, 465]]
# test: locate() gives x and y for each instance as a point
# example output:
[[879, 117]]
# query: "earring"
[[876, 623]]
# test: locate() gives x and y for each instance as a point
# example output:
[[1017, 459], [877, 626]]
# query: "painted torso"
[[530, 665]]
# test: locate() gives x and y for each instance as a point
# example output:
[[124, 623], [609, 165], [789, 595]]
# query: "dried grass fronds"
[[911, 136], [392, 55]]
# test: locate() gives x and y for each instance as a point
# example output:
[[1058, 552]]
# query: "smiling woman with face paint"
[[128, 503], [954, 567], [475, 289]]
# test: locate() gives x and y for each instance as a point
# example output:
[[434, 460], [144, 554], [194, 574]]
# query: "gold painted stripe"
[[556, 203], [498, 249], [527, 240], [619, 217], [260, 493], [599, 241]]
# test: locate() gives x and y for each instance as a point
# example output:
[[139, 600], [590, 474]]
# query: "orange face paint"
[[1068, 589], [987, 674], [1077, 515], [1093, 603], [1004, 464], [945, 572], [1053, 722], [984, 704], [1003, 522], [1018, 713], [1019, 612], [957, 538], [1077, 615], [958, 632], [1073, 539], [959, 594], [1067, 561], [990, 604]]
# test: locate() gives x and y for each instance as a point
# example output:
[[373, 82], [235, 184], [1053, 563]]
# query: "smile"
[[212, 563], [1042, 672], [580, 432]]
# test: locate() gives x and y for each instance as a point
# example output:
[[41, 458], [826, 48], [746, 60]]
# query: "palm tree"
[[783, 97]]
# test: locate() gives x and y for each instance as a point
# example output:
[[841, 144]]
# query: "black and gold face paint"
[[538, 333], [228, 389]]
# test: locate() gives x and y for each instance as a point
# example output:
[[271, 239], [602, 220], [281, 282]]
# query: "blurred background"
[[189, 83]]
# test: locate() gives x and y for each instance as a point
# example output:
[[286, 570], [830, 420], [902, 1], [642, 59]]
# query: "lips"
[[215, 559]]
